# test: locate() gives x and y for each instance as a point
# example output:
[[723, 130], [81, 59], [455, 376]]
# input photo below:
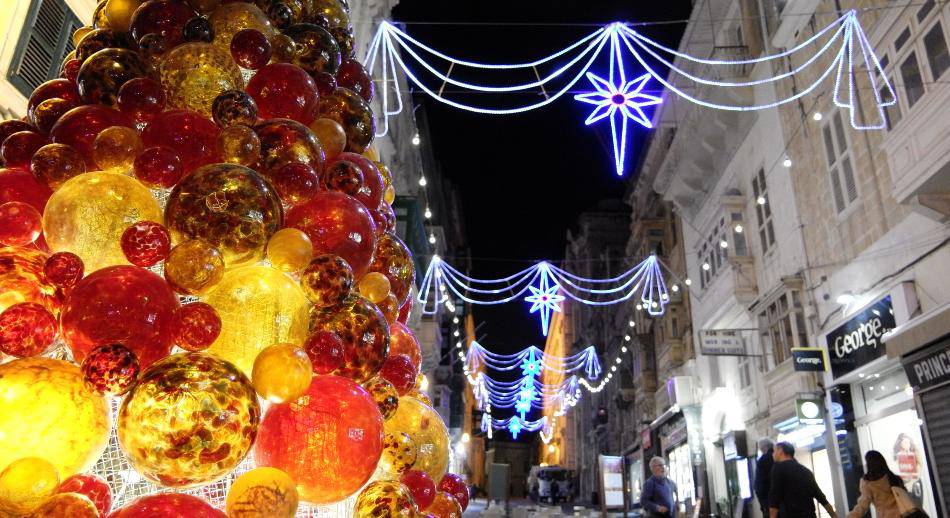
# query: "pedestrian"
[[876, 488], [794, 488], [659, 492], [555, 491], [763, 474]]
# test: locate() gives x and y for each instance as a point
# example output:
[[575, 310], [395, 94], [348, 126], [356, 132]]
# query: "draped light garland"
[[621, 100], [548, 285]]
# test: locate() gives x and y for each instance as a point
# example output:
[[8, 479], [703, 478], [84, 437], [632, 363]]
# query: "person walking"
[[659, 492], [794, 488], [877, 488], [763, 474]]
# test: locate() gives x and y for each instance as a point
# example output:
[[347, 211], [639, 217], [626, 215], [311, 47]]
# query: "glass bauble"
[[428, 434], [195, 73], [354, 114], [337, 224], [385, 498], [364, 332], [168, 505], [263, 493]]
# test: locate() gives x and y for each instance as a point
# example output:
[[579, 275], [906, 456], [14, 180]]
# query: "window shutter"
[[849, 184], [43, 43], [836, 188]]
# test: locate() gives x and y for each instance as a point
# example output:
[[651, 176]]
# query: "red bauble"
[[325, 82], [53, 89], [295, 182], [70, 70], [343, 176], [141, 99], [167, 18], [405, 310], [63, 269], [337, 224], [146, 243], [18, 149], [402, 341], [26, 329], [20, 224], [385, 219], [353, 75], [250, 48], [20, 185], [282, 90], [158, 166], [193, 137], [325, 350], [91, 486], [80, 126], [421, 486], [121, 304], [455, 485], [197, 326], [48, 112], [371, 194], [111, 369], [168, 505], [400, 370], [329, 440]]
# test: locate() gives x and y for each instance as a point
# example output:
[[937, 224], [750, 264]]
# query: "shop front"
[[684, 457], [807, 431]]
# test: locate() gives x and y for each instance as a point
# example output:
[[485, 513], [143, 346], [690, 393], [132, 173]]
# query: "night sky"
[[525, 178]]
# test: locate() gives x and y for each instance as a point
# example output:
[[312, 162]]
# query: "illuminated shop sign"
[[859, 340]]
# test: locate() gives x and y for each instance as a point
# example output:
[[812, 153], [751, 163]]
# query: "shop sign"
[[722, 342], [809, 411], [859, 340], [611, 481], [673, 434], [930, 368], [810, 359]]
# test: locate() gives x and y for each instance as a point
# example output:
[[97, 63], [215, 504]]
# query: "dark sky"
[[525, 178]]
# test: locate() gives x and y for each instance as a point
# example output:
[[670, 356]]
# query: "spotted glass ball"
[[316, 50], [327, 280], [239, 145], [193, 267], [103, 74], [26, 329], [385, 395], [399, 453], [197, 326], [234, 107], [354, 114], [111, 369], [53, 164], [145, 243], [364, 331], [385, 498], [343, 176], [194, 74], [325, 350], [63, 269]]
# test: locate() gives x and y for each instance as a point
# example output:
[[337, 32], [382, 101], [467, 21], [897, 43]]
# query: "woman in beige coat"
[[876, 489]]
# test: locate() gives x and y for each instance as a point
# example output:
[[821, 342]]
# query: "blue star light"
[[514, 427], [545, 299]]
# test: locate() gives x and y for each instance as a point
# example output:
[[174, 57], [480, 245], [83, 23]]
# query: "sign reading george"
[[809, 359], [929, 368], [858, 341], [722, 342]]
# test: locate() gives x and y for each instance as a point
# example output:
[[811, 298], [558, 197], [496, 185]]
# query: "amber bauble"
[[262, 493], [103, 74], [63, 269], [26, 329], [190, 420], [354, 114], [119, 13], [18, 149], [393, 259], [365, 334], [289, 250], [48, 411], [371, 192], [445, 506], [385, 498], [250, 49], [281, 373], [56, 163], [80, 126], [141, 99], [169, 505], [193, 267], [239, 145], [374, 286], [343, 176], [193, 137], [89, 213], [228, 206], [354, 76], [329, 440], [400, 371], [399, 453], [325, 350], [96, 40], [22, 279], [403, 341], [385, 395], [158, 167], [315, 48], [337, 224], [167, 18], [327, 280], [390, 309], [282, 90], [428, 433], [115, 149], [20, 224], [331, 136], [234, 107], [455, 485], [197, 326], [66, 505], [26, 483], [52, 89], [48, 112], [120, 304], [230, 18], [93, 487], [259, 306], [295, 183], [110, 369], [194, 74], [284, 141], [421, 485]]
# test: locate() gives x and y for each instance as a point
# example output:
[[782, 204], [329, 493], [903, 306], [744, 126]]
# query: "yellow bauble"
[[239, 144], [281, 373], [26, 483], [119, 13], [89, 213], [389, 195], [289, 250], [258, 306], [428, 433], [262, 493], [399, 455], [228, 19], [374, 286], [115, 148], [371, 154], [67, 505], [47, 411], [194, 74], [385, 498], [79, 33]]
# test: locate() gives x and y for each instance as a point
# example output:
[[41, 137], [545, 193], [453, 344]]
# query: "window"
[[44, 42], [925, 10], [913, 84], [712, 255], [674, 323], [763, 212], [901, 40], [781, 326], [892, 113], [745, 372], [936, 47], [840, 169]]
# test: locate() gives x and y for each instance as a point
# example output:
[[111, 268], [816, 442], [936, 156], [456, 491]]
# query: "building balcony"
[[735, 280]]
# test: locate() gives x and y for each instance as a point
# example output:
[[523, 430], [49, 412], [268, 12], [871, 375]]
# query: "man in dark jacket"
[[658, 497], [794, 488], [763, 474]]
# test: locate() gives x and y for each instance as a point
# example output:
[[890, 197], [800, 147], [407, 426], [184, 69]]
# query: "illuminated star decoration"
[[545, 298], [620, 100]]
